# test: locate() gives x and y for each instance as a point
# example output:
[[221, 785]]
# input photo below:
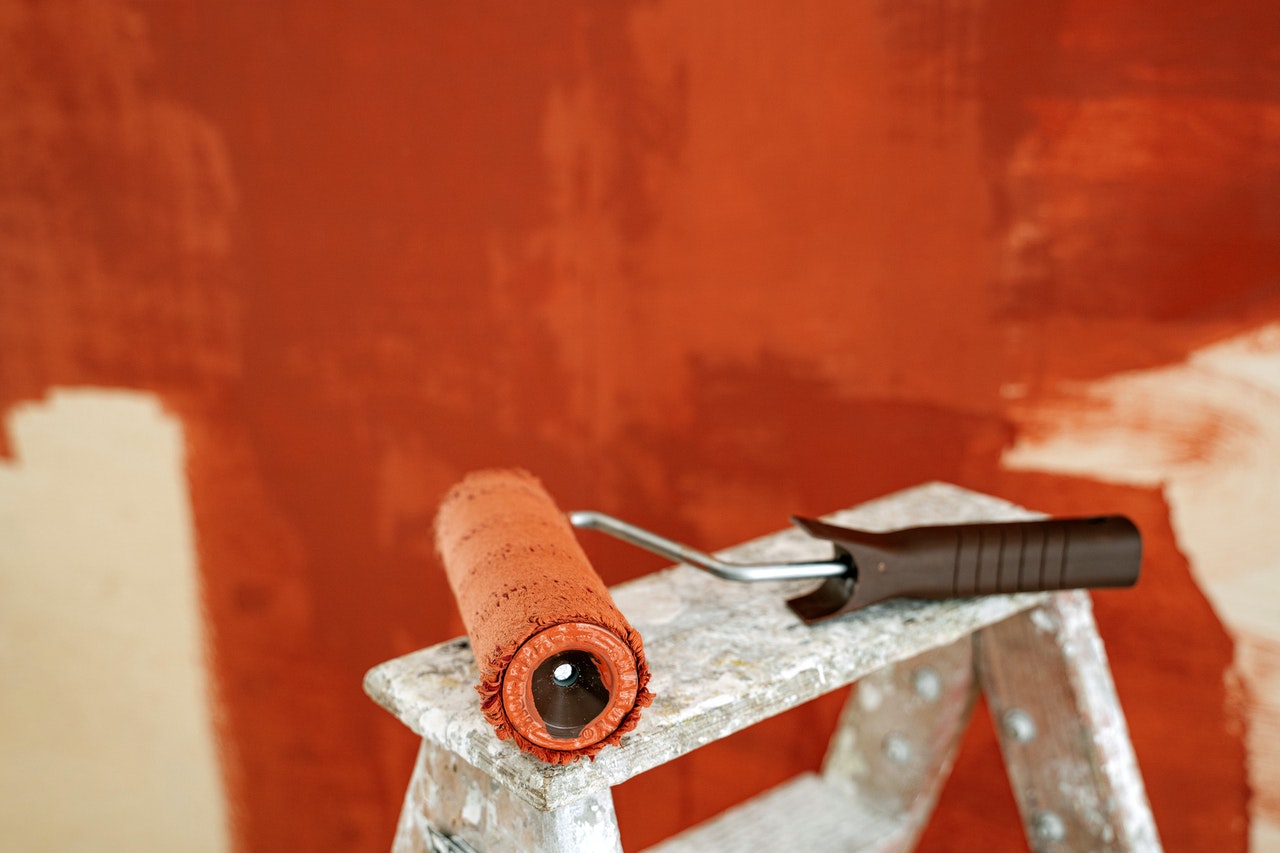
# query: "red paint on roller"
[[529, 596]]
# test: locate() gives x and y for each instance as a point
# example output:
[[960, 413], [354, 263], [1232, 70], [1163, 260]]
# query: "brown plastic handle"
[[961, 560]]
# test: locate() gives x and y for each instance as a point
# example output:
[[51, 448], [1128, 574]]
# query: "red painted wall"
[[699, 265]]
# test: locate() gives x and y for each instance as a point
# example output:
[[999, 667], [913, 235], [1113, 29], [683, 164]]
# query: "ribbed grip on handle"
[[973, 559], [1041, 555]]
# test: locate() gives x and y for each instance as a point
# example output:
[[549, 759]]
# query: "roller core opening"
[[570, 685], [569, 692]]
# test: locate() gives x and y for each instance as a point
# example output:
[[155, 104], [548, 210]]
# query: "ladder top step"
[[724, 655]]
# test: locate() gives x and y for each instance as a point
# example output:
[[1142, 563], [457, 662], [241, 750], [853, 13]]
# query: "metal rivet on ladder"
[[927, 683], [1019, 726], [1047, 826], [897, 748]]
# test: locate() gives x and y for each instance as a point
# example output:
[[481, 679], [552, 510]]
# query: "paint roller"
[[562, 673]]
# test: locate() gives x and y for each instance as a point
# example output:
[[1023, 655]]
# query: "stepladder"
[[725, 656]]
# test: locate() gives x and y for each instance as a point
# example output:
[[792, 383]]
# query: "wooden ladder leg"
[[451, 807], [898, 736], [1063, 735]]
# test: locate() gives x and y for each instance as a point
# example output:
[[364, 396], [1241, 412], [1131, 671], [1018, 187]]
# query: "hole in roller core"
[[568, 692]]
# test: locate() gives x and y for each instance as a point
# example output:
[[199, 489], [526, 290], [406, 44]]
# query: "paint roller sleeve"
[[562, 673]]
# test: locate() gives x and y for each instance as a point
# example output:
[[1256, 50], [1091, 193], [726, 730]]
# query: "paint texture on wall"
[[697, 266]]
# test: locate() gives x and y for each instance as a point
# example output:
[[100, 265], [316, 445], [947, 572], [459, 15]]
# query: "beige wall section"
[[106, 739], [1208, 432]]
